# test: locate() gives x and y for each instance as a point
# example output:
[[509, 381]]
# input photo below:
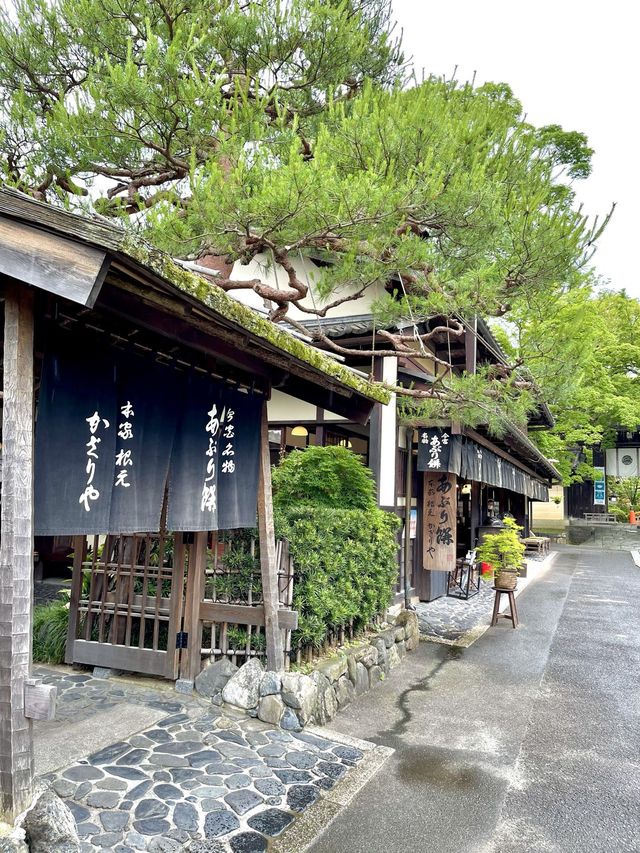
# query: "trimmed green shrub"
[[50, 625], [343, 546], [345, 562], [323, 476], [621, 513]]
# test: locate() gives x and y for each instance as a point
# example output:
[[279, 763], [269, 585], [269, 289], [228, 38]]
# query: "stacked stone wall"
[[292, 700]]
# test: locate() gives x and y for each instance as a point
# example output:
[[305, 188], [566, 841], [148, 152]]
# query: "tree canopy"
[[291, 128], [583, 347]]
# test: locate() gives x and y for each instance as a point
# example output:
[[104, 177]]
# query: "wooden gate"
[[224, 610], [151, 603], [126, 602]]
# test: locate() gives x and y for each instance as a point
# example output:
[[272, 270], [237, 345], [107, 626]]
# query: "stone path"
[[459, 622], [526, 742], [81, 695], [196, 780]]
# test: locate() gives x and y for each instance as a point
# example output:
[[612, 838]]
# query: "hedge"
[[345, 564]]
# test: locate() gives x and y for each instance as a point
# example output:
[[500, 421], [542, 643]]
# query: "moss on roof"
[[112, 237], [215, 298]]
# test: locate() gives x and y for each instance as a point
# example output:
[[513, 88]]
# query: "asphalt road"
[[526, 741]]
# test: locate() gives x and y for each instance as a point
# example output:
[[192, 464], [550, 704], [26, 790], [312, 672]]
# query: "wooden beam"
[[51, 263], [268, 564], [197, 326], [240, 614], [16, 553], [129, 658]]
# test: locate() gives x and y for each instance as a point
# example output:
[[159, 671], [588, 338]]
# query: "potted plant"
[[504, 552]]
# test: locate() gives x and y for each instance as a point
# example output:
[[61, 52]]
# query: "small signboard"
[[599, 487]]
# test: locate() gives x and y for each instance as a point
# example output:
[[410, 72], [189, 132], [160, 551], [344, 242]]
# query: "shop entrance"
[[465, 534]]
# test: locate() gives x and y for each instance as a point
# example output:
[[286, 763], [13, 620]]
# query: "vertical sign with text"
[[599, 487], [439, 522]]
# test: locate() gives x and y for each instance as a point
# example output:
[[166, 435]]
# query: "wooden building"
[[389, 444], [89, 311]]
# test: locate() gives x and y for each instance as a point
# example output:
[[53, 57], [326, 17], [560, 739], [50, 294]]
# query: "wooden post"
[[471, 346], [268, 564], [191, 661], [16, 553], [79, 555], [405, 571]]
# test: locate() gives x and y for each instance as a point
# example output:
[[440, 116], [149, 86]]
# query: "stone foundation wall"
[[293, 699]]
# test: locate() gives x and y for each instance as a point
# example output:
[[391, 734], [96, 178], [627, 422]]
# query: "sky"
[[571, 63]]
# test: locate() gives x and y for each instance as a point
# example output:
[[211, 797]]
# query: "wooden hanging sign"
[[439, 522]]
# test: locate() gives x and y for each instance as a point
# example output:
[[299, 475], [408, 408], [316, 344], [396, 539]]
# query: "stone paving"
[[459, 622], [197, 780]]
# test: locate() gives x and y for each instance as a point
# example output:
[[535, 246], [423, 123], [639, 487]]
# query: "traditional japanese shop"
[[467, 483], [149, 388]]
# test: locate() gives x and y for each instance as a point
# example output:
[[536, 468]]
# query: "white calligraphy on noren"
[[219, 426], [123, 457], [91, 493]]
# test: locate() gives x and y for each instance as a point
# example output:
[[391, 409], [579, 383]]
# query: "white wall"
[[549, 511], [282, 408], [261, 267], [388, 439]]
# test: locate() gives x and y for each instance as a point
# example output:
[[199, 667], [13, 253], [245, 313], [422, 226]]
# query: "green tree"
[[285, 129], [583, 348]]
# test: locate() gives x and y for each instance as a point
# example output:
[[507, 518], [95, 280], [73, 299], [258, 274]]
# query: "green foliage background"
[[345, 556], [50, 625]]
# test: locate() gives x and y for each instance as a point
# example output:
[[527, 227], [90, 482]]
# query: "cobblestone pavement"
[[460, 622], [196, 780], [81, 695]]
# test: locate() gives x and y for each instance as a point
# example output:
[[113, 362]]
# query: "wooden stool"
[[512, 613]]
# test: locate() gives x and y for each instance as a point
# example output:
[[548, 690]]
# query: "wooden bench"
[[538, 543]]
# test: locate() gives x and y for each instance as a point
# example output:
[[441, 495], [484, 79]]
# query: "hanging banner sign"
[[75, 443], [111, 426], [599, 487], [213, 483], [438, 450], [439, 522], [145, 425]]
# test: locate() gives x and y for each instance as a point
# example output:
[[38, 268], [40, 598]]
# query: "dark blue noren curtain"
[[438, 450], [75, 441], [213, 484], [109, 428], [146, 416]]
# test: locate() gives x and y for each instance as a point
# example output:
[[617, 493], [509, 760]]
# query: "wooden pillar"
[[16, 552], [471, 347], [191, 661], [268, 563], [405, 569], [383, 438], [320, 428]]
